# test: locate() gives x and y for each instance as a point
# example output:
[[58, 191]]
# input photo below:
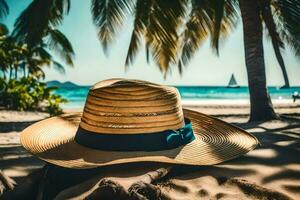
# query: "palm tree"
[[266, 13], [216, 18], [16, 56], [173, 30], [284, 13], [38, 57], [261, 106], [35, 54], [209, 18]]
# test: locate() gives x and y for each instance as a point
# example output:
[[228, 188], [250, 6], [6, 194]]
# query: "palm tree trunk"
[[16, 73], [4, 75], [261, 108], [10, 72], [24, 69]]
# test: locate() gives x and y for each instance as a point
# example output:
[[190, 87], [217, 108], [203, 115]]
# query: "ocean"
[[76, 95]]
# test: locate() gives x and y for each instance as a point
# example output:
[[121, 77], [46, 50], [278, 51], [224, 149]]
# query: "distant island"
[[67, 84]]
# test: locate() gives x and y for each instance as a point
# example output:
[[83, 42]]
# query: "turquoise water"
[[77, 95]]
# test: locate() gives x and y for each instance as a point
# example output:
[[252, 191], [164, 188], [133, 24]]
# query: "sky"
[[92, 65]]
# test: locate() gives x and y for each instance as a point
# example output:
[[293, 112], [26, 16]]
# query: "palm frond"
[[196, 31], [225, 17], [58, 42], [287, 19], [4, 10], [147, 53], [37, 71], [140, 23], [218, 7], [208, 18], [41, 52], [165, 20], [108, 17], [33, 23], [4, 59], [3, 30], [268, 19], [58, 67], [277, 42], [36, 62], [60, 7]]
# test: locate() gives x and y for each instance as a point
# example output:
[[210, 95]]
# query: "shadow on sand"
[[6, 127], [283, 140]]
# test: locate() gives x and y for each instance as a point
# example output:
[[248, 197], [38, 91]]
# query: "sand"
[[272, 171]]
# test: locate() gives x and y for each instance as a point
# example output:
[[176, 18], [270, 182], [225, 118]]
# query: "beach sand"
[[272, 171]]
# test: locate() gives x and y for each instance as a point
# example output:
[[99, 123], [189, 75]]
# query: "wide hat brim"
[[52, 140]]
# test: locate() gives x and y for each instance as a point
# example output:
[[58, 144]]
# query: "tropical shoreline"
[[236, 102], [278, 138], [191, 94], [170, 33], [224, 106]]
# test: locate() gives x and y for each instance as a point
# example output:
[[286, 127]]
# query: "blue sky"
[[91, 64]]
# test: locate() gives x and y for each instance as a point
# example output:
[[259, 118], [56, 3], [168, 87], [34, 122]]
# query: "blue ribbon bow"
[[181, 136]]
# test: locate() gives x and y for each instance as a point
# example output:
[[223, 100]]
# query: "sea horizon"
[[190, 94], [74, 84]]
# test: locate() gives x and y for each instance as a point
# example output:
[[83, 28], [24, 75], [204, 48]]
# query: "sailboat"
[[232, 83]]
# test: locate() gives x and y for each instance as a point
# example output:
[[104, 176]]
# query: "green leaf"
[[33, 23], [3, 30], [287, 18], [108, 17], [58, 42], [4, 10], [59, 67], [140, 23]]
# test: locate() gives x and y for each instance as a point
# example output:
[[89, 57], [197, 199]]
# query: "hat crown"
[[125, 106]]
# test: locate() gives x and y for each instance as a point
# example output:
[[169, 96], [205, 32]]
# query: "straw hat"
[[134, 121]]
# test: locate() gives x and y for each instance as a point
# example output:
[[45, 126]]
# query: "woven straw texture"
[[119, 106], [131, 106], [52, 140]]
